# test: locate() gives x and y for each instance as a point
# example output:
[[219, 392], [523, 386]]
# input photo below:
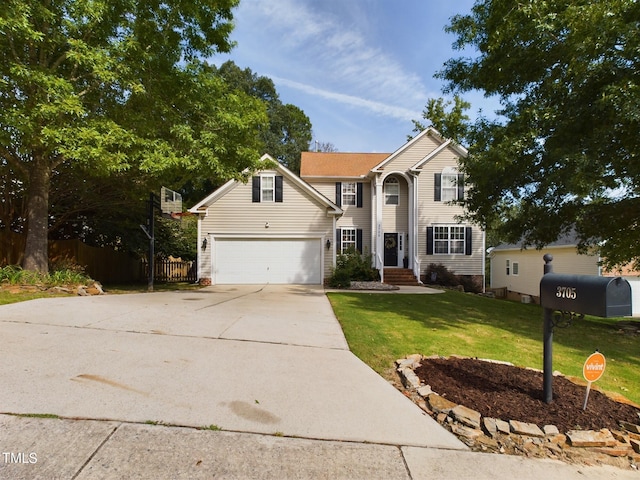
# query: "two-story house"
[[284, 228]]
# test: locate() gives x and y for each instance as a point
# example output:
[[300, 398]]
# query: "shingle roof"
[[338, 164], [567, 240]]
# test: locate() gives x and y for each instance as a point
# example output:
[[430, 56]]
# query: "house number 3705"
[[567, 292]]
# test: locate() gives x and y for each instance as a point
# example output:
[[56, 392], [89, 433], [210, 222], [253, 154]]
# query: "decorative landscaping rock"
[[440, 404], [489, 425], [630, 427], [356, 285], [465, 415], [425, 391], [523, 428], [620, 448], [95, 289], [410, 379], [503, 427], [466, 432], [412, 361], [619, 451], [591, 438]]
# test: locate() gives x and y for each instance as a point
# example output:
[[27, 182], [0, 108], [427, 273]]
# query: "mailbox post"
[[547, 347], [577, 294]]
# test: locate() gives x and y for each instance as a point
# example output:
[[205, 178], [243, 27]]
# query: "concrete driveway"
[[268, 365], [262, 359]]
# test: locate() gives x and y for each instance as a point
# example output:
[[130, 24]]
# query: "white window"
[[515, 267], [508, 267], [349, 193], [267, 189], [449, 185], [448, 240], [348, 239], [391, 191]]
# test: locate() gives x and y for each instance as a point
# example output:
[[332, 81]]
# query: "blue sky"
[[360, 69]]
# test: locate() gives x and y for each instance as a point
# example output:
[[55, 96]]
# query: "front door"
[[390, 249]]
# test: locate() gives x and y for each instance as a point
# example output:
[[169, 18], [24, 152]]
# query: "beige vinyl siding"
[[395, 218], [325, 187], [298, 215], [412, 154], [431, 213], [353, 217], [531, 267]]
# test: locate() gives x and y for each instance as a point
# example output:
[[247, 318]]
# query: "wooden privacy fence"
[[102, 264], [170, 270]]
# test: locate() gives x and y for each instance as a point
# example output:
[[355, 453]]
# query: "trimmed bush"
[[352, 266]]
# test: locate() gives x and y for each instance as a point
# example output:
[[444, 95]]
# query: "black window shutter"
[[255, 190], [438, 185], [339, 194], [359, 240], [359, 195], [467, 241], [338, 240], [279, 188], [460, 183], [429, 240]]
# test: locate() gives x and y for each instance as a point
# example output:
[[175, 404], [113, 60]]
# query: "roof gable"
[[269, 164], [338, 164], [444, 143]]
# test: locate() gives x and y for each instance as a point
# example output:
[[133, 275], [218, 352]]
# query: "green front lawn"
[[381, 328]]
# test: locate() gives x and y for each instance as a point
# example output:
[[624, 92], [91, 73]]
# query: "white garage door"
[[279, 261]]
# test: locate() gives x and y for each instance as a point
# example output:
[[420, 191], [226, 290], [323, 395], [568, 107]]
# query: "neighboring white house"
[[284, 228]]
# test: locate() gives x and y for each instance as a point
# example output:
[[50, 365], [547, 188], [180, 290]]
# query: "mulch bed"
[[512, 393]]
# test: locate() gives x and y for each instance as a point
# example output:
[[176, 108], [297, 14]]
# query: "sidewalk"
[[93, 450]]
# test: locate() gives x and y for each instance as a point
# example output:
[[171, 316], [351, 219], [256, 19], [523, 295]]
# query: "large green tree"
[[117, 86], [563, 153], [453, 123], [289, 131]]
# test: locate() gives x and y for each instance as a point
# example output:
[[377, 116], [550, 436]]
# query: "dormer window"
[[391, 191]]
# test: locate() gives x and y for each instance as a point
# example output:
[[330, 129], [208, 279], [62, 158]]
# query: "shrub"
[[340, 279], [15, 275], [352, 266], [65, 273], [438, 274]]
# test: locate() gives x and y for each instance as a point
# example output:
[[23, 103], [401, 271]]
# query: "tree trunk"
[[36, 253]]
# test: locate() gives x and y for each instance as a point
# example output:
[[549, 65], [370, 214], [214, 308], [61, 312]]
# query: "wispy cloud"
[[376, 107], [335, 58]]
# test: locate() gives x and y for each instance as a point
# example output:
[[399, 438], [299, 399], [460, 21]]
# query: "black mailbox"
[[586, 294]]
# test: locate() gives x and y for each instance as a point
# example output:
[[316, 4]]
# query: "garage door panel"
[[277, 261]]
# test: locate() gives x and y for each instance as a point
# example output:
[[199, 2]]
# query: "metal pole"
[[152, 237], [547, 388]]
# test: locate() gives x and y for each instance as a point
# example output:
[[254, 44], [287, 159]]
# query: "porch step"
[[400, 276]]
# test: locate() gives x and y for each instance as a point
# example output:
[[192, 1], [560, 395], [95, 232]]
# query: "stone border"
[[620, 448]]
